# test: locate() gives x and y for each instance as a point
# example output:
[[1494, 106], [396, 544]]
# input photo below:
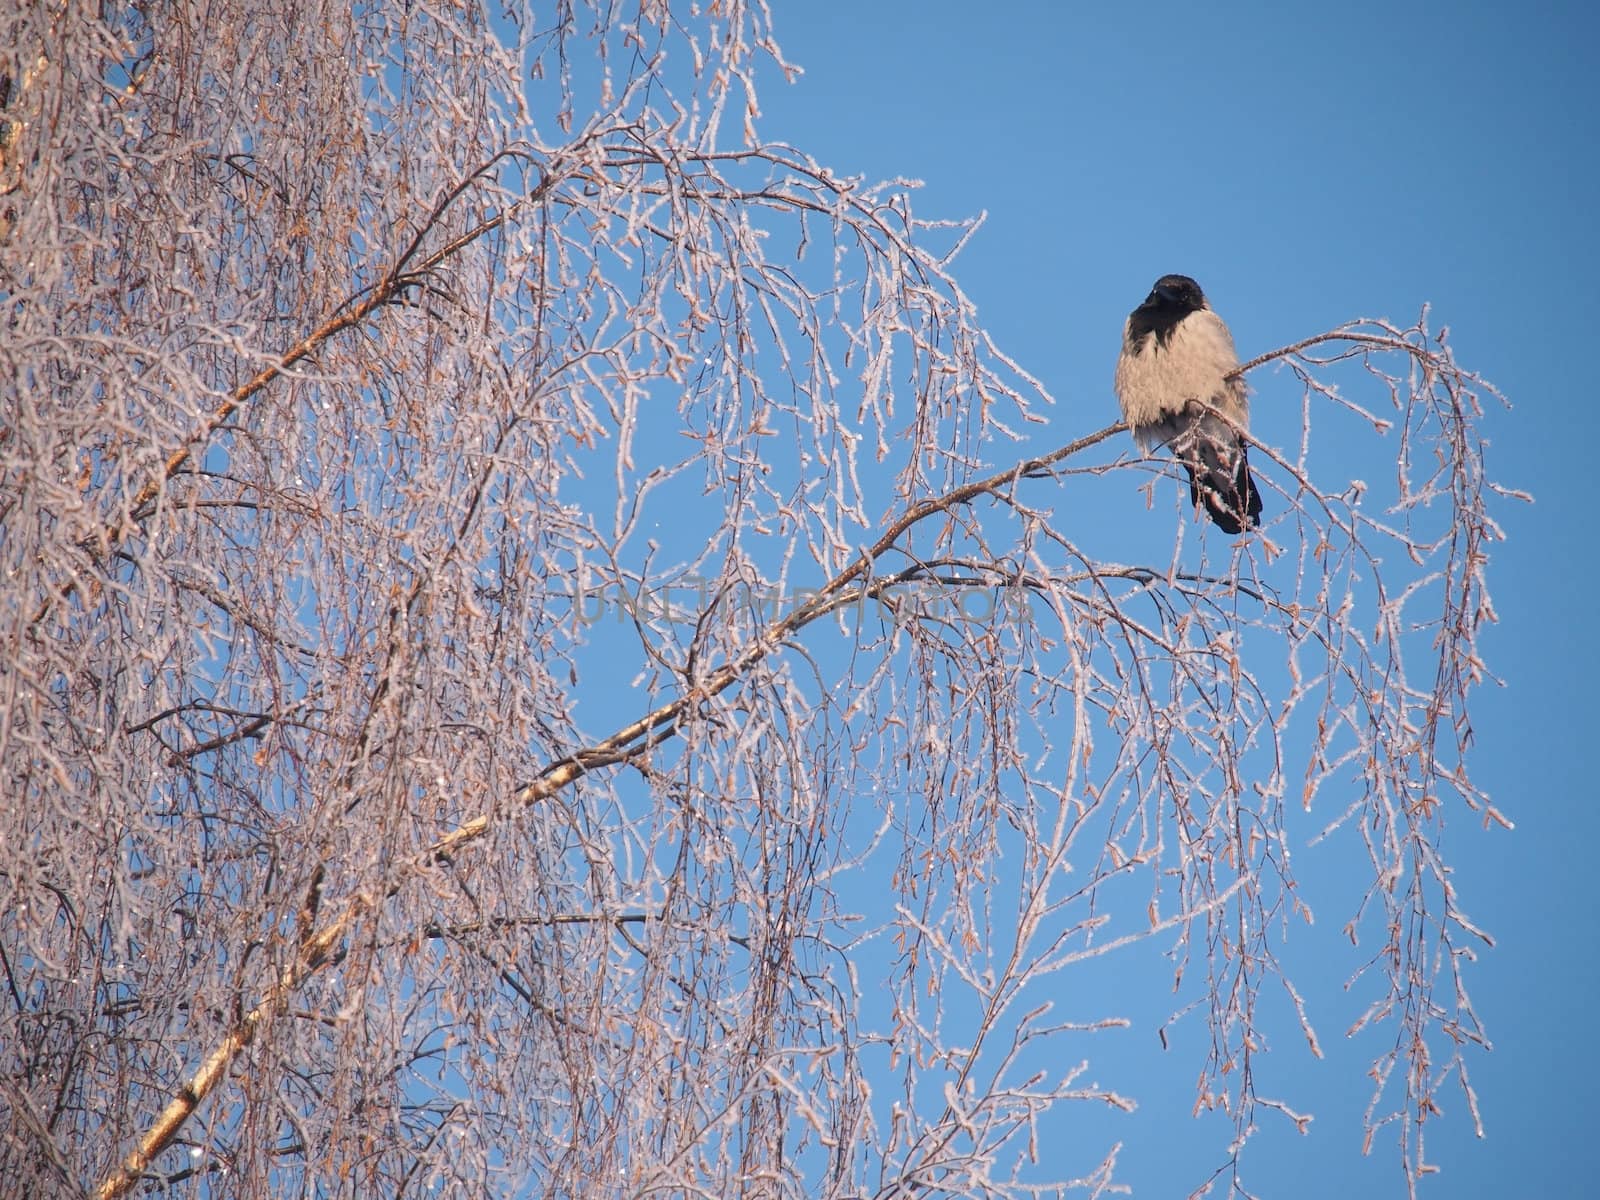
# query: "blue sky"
[[1308, 166]]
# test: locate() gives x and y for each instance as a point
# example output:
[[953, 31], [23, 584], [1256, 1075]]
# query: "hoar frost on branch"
[[353, 356]]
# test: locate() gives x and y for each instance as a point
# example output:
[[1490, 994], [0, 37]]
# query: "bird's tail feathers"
[[1223, 484]]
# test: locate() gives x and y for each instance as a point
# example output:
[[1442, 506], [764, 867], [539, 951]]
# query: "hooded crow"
[[1176, 355]]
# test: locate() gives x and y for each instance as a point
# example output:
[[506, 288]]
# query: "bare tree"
[[536, 658]]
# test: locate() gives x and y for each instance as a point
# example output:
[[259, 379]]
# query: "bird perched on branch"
[[1172, 383]]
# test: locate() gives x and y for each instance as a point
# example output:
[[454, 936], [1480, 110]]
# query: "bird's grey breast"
[[1157, 378]]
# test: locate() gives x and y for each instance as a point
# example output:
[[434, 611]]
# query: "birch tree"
[[547, 652]]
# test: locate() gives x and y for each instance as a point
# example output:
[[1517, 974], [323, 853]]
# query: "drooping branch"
[[404, 274]]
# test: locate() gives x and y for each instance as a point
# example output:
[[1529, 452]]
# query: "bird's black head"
[[1172, 299], [1176, 291]]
